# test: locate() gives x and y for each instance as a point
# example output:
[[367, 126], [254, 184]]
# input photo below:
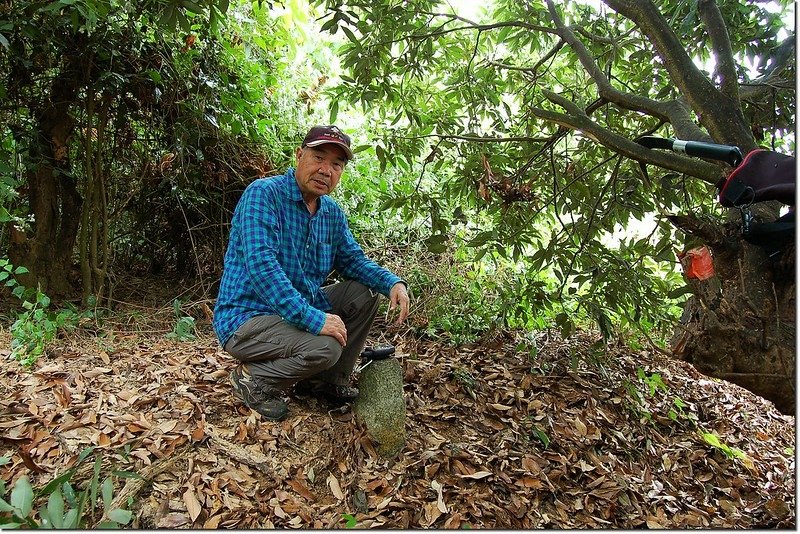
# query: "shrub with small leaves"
[[37, 325], [7, 273], [184, 328]]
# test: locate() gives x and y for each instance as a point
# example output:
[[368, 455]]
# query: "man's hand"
[[334, 327], [398, 296]]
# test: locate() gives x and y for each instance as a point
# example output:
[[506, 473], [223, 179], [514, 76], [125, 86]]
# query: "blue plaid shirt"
[[279, 255]]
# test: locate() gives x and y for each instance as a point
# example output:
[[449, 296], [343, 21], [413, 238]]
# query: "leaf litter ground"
[[566, 436]]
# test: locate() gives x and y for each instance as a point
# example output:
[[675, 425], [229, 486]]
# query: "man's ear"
[[298, 153]]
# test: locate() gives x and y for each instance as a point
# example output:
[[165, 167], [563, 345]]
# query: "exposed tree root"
[[238, 453], [134, 486]]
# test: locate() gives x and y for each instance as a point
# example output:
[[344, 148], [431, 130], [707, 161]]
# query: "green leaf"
[[22, 496], [118, 515], [107, 493], [56, 482], [350, 35], [69, 494], [44, 519], [192, 7], [85, 453], [55, 509], [712, 440], [72, 519], [334, 112], [168, 17], [329, 25], [94, 485], [5, 507], [154, 75], [350, 520], [42, 300], [544, 438], [679, 292]]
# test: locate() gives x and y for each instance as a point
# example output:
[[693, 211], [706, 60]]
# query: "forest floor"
[[571, 435]]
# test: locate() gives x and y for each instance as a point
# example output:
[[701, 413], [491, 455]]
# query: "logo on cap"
[[320, 135]]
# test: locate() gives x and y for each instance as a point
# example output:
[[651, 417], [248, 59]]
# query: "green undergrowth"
[[65, 503]]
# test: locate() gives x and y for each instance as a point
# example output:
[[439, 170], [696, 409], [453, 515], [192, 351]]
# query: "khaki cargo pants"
[[279, 354]]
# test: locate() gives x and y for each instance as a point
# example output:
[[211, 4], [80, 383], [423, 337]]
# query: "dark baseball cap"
[[320, 135]]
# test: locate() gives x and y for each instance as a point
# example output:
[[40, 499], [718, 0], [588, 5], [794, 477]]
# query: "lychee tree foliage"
[[524, 119], [127, 130]]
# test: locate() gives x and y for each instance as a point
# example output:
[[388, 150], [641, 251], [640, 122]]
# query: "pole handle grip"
[[727, 153]]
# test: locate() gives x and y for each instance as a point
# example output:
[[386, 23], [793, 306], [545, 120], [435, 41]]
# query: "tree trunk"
[[53, 199], [740, 324]]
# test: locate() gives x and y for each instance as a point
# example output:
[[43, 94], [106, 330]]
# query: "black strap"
[[737, 192], [378, 353]]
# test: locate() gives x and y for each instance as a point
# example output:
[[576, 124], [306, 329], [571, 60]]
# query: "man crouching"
[[272, 313]]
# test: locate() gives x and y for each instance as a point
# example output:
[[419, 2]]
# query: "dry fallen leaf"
[[478, 475], [454, 521], [301, 488], [212, 522], [192, 504], [198, 433], [439, 496], [498, 451], [336, 489], [167, 426], [384, 503], [103, 440], [173, 520], [580, 427]]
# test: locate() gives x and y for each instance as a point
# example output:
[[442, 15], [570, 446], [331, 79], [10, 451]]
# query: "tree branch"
[[578, 120], [480, 27], [719, 114], [479, 139], [134, 486], [673, 111], [782, 58], [708, 231], [721, 45], [602, 39]]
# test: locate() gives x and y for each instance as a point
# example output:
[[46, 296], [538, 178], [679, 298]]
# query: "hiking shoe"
[[263, 399], [332, 392]]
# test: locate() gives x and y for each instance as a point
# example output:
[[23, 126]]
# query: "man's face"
[[319, 169]]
